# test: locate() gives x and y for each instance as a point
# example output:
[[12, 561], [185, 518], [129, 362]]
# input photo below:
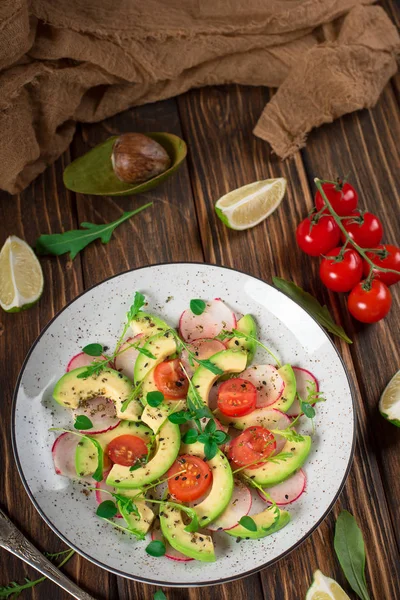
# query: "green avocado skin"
[[181, 541], [242, 532]]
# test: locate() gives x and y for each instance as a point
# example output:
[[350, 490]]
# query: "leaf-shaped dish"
[[93, 173]]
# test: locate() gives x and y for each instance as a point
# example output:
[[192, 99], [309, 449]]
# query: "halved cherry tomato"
[[127, 450], [341, 276], [318, 238], [237, 397], [366, 234], [194, 482], [369, 306], [171, 380], [254, 444], [344, 198], [392, 261]]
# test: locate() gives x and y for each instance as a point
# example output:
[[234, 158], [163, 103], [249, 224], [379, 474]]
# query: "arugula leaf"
[[145, 352], [77, 239], [190, 437], [138, 302], [320, 313], [350, 550], [289, 434], [134, 394], [106, 510], [93, 369], [248, 523], [197, 306], [154, 399], [210, 448], [83, 422], [207, 364], [156, 548], [159, 595], [93, 349]]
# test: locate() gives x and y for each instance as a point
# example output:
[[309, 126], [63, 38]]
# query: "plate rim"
[[98, 563]]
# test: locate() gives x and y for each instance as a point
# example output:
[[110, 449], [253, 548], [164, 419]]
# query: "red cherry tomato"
[[318, 238], [344, 199], [237, 397], [126, 450], [253, 445], [171, 380], [194, 482], [392, 261], [369, 306], [341, 276], [368, 234]]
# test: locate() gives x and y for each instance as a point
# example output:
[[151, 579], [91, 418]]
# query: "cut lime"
[[21, 277], [324, 588], [249, 205], [389, 404]]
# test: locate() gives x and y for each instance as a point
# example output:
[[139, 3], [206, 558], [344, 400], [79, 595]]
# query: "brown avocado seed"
[[136, 158]]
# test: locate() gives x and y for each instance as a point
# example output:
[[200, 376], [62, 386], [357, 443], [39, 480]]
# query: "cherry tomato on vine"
[[367, 234], [341, 276], [343, 197], [318, 238], [392, 261], [372, 305]]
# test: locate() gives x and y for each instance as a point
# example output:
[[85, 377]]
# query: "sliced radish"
[[82, 360], [100, 411], [216, 317], [268, 382], [63, 452], [101, 486], [238, 507], [303, 378], [203, 349], [170, 552], [125, 362], [288, 491]]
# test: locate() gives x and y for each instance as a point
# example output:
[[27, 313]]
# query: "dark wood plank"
[[223, 155]]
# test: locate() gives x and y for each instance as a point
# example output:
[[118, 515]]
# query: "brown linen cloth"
[[65, 61]]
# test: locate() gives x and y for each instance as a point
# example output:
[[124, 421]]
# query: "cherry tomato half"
[[253, 445], [318, 238], [341, 276], [369, 306], [191, 484], [126, 450], [344, 198], [171, 380], [237, 397], [367, 234], [392, 261]]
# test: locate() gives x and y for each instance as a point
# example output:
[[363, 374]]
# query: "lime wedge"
[[389, 404], [21, 277], [249, 205], [324, 588]]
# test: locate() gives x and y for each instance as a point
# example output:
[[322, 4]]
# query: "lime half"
[[249, 205], [324, 588], [389, 404], [21, 276]]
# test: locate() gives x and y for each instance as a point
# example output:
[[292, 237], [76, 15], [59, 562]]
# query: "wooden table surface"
[[182, 226]]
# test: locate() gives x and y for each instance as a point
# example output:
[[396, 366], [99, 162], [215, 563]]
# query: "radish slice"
[[100, 411], [238, 507], [125, 362], [203, 349], [216, 317], [170, 552], [101, 497], [288, 491], [82, 360], [63, 452], [268, 382], [303, 378]]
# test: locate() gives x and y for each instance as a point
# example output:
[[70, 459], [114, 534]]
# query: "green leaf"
[[210, 427], [107, 509], [138, 302], [179, 417], [248, 523], [93, 349], [134, 394], [207, 364], [350, 550], [77, 239], [197, 306], [220, 437], [82, 422], [307, 409], [320, 313], [93, 173], [154, 399], [190, 437], [156, 548], [159, 595], [210, 449], [145, 352]]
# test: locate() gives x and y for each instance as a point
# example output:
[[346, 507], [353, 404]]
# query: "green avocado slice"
[[289, 393], [139, 525], [161, 346], [194, 545], [248, 326], [265, 524], [147, 325]]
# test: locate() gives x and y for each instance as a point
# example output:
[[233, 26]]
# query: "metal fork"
[[15, 542]]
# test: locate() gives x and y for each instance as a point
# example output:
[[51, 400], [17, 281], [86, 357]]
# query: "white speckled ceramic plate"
[[97, 315]]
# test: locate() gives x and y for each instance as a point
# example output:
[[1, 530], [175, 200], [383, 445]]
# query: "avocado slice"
[[147, 325], [248, 326], [222, 485], [272, 473], [85, 458], [138, 525], [265, 524], [194, 545], [229, 361], [70, 390], [161, 346], [289, 393], [168, 440]]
